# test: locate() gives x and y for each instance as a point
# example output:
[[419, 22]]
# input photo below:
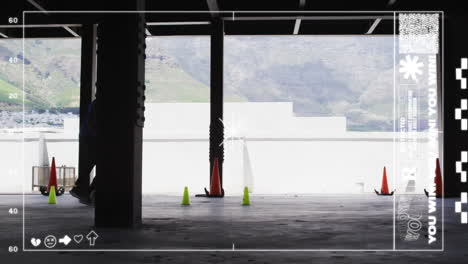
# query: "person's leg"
[[82, 190], [89, 165], [92, 191], [93, 185], [92, 156], [88, 169], [85, 167]]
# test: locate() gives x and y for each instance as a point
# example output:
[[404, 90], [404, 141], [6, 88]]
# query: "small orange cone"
[[53, 176], [437, 181], [215, 186], [384, 189]]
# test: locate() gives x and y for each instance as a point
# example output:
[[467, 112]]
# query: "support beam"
[[120, 108], [216, 96], [377, 21], [178, 23], [87, 92], [40, 26], [307, 17], [213, 7], [38, 6], [180, 30], [43, 10], [71, 31], [373, 26], [297, 25]]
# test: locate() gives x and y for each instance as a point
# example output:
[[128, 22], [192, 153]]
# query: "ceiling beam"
[[38, 6], [93, 18], [179, 30], [178, 23], [42, 9], [40, 26], [71, 31], [213, 7], [58, 32], [373, 26], [297, 25], [377, 21], [265, 18]]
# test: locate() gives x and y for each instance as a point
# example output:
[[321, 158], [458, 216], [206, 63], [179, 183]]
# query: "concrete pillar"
[[120, 114], [87, 92], [216, 96]]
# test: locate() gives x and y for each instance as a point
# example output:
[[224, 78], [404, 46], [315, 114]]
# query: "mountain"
[[51, 73], [348, 76]]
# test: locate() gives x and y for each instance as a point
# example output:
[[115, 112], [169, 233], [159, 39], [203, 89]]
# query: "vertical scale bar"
[[120, 108], [216, 96], [394, 128], [440, 95], [87, 91], [440, 114]]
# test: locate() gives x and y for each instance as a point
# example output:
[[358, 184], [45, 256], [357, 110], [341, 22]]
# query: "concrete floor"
[[318, 222]]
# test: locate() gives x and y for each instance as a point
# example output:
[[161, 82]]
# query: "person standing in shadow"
[[85, 192]]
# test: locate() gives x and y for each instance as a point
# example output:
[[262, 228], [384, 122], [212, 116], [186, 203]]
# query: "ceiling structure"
[[58, 18]]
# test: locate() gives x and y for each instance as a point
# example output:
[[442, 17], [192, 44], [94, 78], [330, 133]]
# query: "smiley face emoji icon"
[[50, 241]]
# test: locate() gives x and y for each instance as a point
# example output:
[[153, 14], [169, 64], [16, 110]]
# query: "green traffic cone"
[[52, 197], [186, 199], [246, 199]]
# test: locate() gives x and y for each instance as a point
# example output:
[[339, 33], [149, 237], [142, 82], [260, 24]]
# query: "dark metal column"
[[120, 107], [216, 96], [87, 91]]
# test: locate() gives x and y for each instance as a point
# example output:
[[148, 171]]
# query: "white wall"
[[285, 158]]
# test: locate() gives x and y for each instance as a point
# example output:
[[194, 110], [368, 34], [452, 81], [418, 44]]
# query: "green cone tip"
[[246, 199], [52, 196], [186, 199]]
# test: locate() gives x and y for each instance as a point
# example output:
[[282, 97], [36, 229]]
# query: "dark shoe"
[[85, 202], [80, 195]]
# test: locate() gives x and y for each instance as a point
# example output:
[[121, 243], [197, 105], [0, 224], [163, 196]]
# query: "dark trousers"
[[88, 162]]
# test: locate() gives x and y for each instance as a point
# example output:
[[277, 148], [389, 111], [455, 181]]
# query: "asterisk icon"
[[410, 67]]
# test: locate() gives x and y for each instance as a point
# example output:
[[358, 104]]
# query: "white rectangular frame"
[[394, 249]]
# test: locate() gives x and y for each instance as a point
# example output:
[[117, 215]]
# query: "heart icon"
[[35, 242], [78, 238]]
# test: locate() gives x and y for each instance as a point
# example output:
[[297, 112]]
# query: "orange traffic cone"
[[437, 181], [53, 176], [215, 185], [384, 190]]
